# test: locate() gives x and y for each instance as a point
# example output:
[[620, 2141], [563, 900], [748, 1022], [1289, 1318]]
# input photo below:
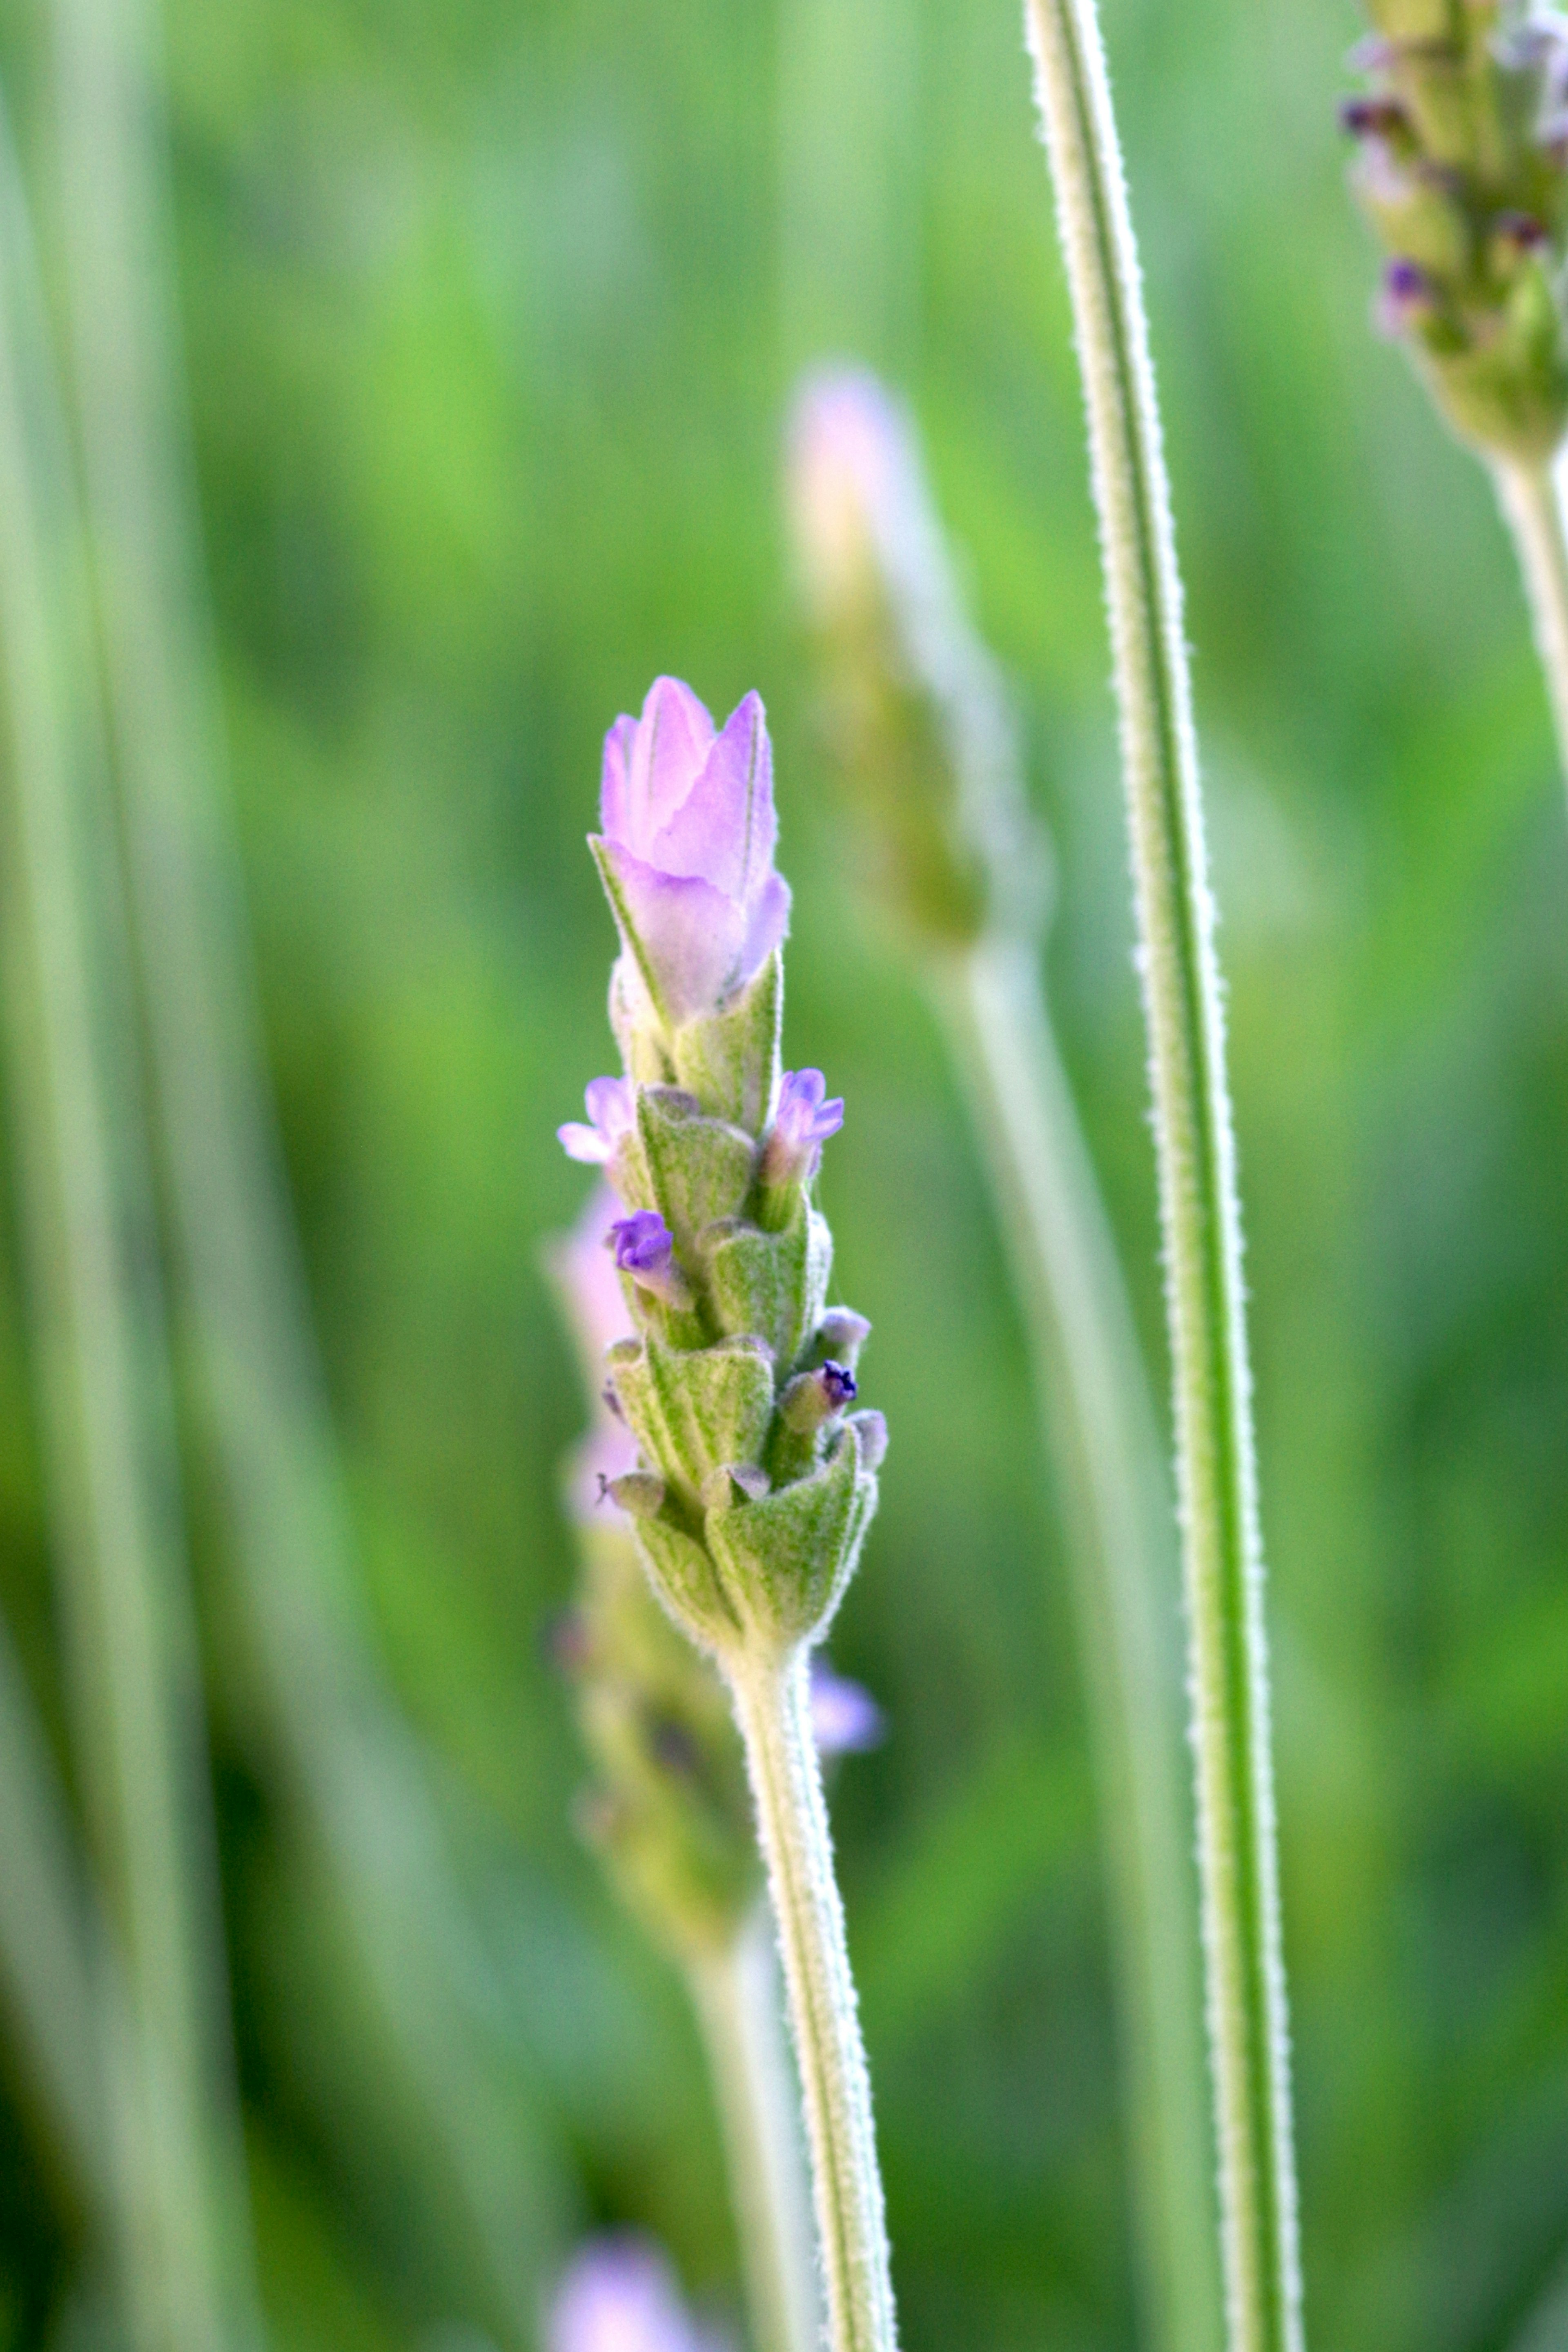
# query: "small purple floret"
[[619, 2294], [612, 1110], [802, 1123], [686, 846], [1371, 118], [1406, 295], [643, 1244], [838, 1385], [845, 1719]]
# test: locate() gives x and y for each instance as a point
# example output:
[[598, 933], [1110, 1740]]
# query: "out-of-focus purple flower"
[[845, 1718], [687, 850], [644, 1247], [620, 2294], [855, 484], [612, 1109], [802, 1123], [596, 1304]]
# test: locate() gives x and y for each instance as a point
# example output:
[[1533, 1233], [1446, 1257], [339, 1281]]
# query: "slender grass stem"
[[85, 1191], [1200, 1220], [356, 1772], [736, 1994], [772, 1708], [1532, 501], [1099, 1431], [48, 1937]]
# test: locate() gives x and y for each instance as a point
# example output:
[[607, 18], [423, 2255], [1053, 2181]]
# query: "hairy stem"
[[1099, 1431], [736, 1993], [1531, 500], [1200, 1220], [772, 1708]]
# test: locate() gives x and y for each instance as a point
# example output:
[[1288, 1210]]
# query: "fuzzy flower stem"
[[1532, 501], [1100, 1433], [772, 1708], [1215, 1464], [735, 1993]]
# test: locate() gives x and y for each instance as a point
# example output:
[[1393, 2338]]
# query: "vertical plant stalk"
[[1532, 501], [772, 1708], [174, 2119], [736, 1995], [357, 1772], [48, 1959], [1199, 1211], [1099, 1431]]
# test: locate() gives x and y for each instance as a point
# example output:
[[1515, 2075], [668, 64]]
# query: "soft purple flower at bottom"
[[845, 1717], [620, 2294]]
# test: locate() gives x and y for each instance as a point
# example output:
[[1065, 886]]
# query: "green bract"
[[749, 1517]]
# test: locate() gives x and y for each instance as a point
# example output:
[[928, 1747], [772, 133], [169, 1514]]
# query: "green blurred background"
[[492, 317]]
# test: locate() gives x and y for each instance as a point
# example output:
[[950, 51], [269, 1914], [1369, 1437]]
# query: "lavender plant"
[[619, 2294], [753, 1484], [1462, 169]]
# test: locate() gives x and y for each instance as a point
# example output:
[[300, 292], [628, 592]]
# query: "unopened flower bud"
[[815, 1397], [644, 1247], [872, 1433], [840, 1336]]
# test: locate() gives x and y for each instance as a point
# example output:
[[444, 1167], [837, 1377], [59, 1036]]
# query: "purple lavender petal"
[[619, 2294], [766, 925], [725, 830], [845, 1718], [585, 1143], [839, 1384], [615, 779], [672, 741], [643, 1243], [693, 939]]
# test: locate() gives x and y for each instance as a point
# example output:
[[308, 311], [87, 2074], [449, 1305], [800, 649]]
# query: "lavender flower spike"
[[687, 849], [611, 1112], [802, 1125]]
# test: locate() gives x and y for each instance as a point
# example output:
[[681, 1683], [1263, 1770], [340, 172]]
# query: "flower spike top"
[[755, 1484], [687, 849]]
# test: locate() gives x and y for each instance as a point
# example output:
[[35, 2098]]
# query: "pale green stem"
[[1200, 1216], [358, 1773], [107, 1413], [737, 1996], [772, 1708], [1099, 1431], [48, 1945], [1531, 500]]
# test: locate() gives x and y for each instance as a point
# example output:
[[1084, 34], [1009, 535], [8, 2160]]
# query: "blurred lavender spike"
[[620, 2293], [919, 731]]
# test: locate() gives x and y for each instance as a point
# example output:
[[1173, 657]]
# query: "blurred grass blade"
[[106, 1411], [358, 1773], [46, 1954]]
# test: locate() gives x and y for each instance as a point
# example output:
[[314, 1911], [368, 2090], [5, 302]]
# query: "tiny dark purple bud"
[[814, 1397], [1406, 295], [838, 1385], [1372, 118], [1521, 230]]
